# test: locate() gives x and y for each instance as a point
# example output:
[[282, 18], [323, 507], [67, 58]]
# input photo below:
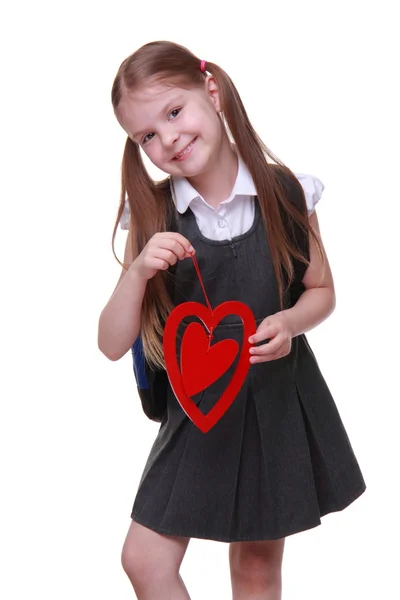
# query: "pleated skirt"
[[277, 461]]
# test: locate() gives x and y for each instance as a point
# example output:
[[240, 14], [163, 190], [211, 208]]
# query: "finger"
[[176, 247], [167, 242], [262, 359], [264, 333], [167, 255], [159, 264], [267, 349], [182, 241]]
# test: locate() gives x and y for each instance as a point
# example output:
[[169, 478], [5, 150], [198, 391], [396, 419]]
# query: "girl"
[[280, 458]]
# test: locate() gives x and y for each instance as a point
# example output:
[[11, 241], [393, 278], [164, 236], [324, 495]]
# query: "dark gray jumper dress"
[[280, 458]]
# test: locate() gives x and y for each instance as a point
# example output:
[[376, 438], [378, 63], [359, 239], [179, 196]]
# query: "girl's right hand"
[[162, 251]]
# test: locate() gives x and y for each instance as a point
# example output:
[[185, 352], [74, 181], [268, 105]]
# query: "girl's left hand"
[[276, 329]]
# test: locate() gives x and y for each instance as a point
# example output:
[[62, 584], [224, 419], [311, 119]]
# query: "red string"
[[196, 266]]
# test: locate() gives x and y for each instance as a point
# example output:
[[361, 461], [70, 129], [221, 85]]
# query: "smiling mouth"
[[185, 150]]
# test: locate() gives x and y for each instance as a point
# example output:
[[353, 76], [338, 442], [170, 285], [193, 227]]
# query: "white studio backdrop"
[[318, 81]]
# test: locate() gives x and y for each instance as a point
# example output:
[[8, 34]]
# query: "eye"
[[175, 112], [147, 138]]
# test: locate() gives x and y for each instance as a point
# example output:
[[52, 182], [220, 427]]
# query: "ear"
[[213, 92]]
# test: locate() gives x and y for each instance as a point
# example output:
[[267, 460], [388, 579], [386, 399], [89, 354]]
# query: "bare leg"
[[256, 569], [152, 562]]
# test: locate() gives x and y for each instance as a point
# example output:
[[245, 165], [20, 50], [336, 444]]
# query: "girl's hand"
[[276, 328], [162, 251]]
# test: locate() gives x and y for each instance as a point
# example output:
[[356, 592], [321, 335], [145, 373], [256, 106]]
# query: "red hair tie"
[[203, 66]]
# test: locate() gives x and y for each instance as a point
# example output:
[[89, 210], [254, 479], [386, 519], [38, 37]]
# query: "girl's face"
[[179, 129]]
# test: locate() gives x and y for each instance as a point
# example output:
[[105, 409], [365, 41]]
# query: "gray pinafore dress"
[[279, 459]]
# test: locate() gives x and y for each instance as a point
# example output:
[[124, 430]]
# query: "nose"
[[169, 137]]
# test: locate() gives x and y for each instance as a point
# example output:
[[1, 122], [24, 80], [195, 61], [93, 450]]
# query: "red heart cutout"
[[210, 320], [202, 364]]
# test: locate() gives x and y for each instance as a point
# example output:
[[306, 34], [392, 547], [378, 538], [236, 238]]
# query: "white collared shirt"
[[235, 215]]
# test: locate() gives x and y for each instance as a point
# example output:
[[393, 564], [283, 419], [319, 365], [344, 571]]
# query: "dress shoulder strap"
[[295, 194]]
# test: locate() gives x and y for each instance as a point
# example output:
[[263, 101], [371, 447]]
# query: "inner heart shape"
[[181, 383], [202, 364]]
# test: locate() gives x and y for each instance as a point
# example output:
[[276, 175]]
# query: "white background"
[[319, 82]]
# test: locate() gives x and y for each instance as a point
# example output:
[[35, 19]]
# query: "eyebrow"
[[175, 100]]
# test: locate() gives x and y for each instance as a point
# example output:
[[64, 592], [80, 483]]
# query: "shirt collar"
[[183, 193]]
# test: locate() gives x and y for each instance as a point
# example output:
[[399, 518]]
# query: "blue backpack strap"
[[139, 364]]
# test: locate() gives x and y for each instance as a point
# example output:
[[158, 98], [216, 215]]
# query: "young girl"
[[279, 458]]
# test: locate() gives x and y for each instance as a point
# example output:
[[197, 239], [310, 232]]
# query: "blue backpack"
[[152, 385]]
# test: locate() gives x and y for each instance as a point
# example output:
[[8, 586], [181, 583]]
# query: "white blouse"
[[235, 215]]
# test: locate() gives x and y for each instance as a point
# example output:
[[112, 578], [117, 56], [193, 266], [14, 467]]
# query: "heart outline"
[[210, 319]]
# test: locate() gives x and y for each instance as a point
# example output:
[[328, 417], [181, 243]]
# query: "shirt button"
[[221, 223]]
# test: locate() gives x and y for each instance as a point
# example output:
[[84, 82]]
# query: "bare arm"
[[119, 322], [318, 300]]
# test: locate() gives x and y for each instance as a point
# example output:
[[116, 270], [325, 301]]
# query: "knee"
[[255, 570], [138, 564]]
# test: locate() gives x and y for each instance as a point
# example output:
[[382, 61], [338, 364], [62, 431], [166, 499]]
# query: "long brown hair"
[[149, 202]]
